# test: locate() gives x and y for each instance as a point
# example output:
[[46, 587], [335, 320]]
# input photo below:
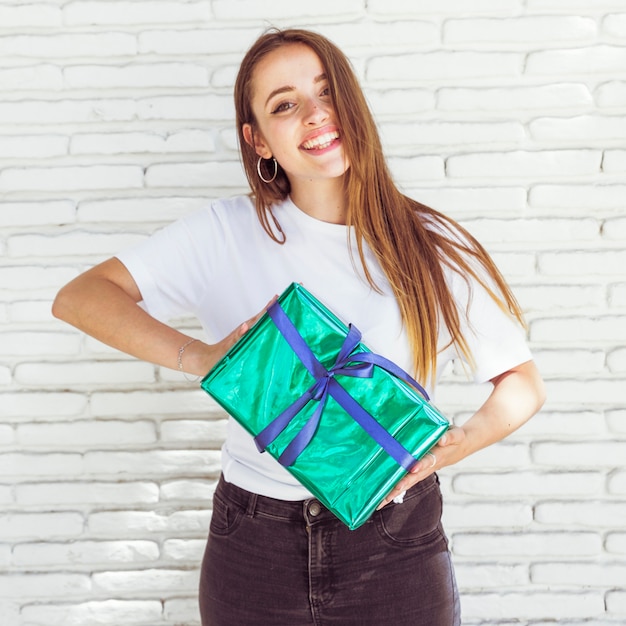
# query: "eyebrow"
[[287, 88]]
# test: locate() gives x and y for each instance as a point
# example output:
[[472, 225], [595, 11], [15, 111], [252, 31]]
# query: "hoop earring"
[[258, 169]]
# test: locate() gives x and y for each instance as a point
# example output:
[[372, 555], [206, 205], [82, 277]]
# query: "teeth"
[[322, 141]]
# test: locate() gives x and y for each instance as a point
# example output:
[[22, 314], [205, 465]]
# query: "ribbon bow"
[[360, 365]]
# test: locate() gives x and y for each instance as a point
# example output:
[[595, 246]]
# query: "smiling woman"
[[323, 212]]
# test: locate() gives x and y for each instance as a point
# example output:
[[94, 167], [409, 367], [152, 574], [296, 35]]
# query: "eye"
[[283, 106]]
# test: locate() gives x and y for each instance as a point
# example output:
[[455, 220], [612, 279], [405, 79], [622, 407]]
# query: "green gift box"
[[347, 423]]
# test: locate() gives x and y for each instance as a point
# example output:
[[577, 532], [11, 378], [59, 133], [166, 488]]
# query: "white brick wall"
[[116, 117]]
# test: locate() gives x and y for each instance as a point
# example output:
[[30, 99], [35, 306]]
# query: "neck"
[[323, 200]]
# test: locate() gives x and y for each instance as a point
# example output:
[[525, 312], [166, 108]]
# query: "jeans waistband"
[[288, 510]]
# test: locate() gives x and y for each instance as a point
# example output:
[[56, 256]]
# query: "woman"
[[325, 212]]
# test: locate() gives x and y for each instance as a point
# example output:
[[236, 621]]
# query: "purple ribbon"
[[361, 365]]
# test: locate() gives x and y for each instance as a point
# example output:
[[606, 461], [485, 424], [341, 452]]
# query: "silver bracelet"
[[181, 351]]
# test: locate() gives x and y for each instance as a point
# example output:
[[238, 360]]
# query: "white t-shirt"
[[220, 265]]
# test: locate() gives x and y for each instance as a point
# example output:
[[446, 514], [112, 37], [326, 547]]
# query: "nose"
[[316, 113]]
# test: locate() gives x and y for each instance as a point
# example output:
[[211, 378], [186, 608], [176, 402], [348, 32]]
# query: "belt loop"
[[251, 505]]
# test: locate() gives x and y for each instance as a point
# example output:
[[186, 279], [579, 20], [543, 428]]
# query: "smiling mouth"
[[321, 142]]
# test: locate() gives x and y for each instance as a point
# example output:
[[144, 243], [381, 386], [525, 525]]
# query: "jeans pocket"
[[225, 516], [415, 521]]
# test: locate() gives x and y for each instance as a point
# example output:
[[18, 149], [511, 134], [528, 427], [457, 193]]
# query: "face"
[[295, 118]]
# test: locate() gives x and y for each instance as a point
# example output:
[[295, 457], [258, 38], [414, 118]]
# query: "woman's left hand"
[[445, 452]]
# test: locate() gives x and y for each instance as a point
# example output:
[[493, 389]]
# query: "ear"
[[256, 141]]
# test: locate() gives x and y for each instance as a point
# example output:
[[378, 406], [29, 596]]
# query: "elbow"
[[61, 306]]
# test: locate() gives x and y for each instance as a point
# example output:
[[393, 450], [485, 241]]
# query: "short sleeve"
[[496, 340]]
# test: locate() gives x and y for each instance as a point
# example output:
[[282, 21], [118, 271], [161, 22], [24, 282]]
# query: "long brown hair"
[[411, 241]]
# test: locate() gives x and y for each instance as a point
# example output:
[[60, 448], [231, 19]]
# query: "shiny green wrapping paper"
[[343, 466]]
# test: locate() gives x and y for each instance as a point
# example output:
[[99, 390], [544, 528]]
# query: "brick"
[[589, 128], [7, 434], [72, 178], [17, 586], [615, 229], [558, 297], [616, 543], [501, 455], [41, 405], [616, 602], [583, 329], [83, 493], [139, 143], [399, 7], [566, 424], [589, 574], [521, 164], [572, 362], [593, 514], [52, 212], [193, 430], [490, 99], [86, 13], [199, 41], [32, 78], [100, 612], [210, 107], [85, 552], [410, 169], [615, 25], [376, 35], [81, 373], [182, 610], [31, 311], [581, 263], [49, 465], [148, 402], [533, 230], [187, 462], [527, 544], [196, 175], [518, 31], [604, 392], [136, 76], [138, 523], [617, 483], [482, 515], [617, 295], [189, 550], [490, 576], [43, 526], [33, 147], [443, 65], [199, 490], [6, 495], [611, 94], [73, 243], [5, 374], [515, 263], [450, 133], [283, 9], [35, 15], [524, 483], [31, 277], [594, 60], [457, 201], [141, 210], [616, 361], [86, 433], [616, 421], [69, 45], [594, 454], [576, 196], [533, 604], [155, 580], [614, 161], [66, 111]]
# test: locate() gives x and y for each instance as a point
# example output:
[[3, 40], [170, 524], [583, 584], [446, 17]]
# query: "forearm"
[[517, 395], [107, 310]]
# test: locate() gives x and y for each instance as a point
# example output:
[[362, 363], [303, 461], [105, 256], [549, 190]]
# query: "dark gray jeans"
[[279, 563]]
